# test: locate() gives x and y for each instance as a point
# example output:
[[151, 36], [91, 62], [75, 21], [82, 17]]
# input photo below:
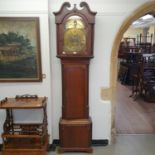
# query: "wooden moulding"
[[75, 135], [23, 103]]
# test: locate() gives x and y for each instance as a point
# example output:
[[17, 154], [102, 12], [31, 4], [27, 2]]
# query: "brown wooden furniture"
[[127, 45], [129, 42], [144, 79], [24, 138], [129, 67], [144, 38], [148, 78], [144, 42], [75, 32], [141, 44], [136, 80]]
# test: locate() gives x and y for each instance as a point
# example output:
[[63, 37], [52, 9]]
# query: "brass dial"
[[74, 36]]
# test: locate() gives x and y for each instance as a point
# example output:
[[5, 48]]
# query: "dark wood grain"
[[75, 127], [24, 138], [75, 135], [75, 90]]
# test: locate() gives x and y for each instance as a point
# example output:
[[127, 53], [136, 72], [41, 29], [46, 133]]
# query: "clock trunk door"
[[75, 90]]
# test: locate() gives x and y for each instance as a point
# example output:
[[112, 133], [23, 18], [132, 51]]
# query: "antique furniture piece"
[[75, 33], [147, 81], [144, 78], [141, 44], [24, 138]]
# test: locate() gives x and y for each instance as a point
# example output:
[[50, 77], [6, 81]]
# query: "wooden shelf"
[[24, 138], [23, 103]]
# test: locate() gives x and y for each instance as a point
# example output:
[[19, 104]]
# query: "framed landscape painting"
[[20, 55]]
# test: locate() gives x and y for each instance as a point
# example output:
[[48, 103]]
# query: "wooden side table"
[[24, 138]]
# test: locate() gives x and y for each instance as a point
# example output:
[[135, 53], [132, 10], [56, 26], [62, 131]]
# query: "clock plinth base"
[[75, 135], [63, 149]]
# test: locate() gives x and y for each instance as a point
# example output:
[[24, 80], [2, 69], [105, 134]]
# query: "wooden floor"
[[133, 117]]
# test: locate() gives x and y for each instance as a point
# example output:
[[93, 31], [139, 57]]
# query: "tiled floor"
[[125, 145]]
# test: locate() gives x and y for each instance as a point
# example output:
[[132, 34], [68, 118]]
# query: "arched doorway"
[[110, 92]]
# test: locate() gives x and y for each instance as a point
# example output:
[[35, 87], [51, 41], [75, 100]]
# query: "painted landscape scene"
[[18, 50]]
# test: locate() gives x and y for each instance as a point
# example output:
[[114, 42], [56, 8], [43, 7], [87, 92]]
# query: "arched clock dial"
[[74, 36]]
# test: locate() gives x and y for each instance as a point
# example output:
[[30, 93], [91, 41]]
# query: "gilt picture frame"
[[20, 52]]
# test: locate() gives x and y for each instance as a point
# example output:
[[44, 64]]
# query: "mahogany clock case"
[[75, 36]]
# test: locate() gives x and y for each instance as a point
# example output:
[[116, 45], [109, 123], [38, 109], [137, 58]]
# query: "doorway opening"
[[142, 10], [135, 96]]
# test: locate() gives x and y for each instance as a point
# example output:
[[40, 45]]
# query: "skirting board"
[[95, 142]]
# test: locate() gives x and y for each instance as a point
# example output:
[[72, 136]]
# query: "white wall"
[[35, 8], [111, 14]]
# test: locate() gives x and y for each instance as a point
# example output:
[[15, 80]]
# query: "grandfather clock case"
[[75, 37]]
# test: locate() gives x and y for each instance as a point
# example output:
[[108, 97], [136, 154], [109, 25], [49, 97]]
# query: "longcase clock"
[[75, 37]]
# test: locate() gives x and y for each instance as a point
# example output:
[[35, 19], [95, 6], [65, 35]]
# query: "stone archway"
[[109, 93]]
